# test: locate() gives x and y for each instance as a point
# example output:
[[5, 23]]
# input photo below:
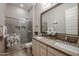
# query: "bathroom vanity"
[[64, 20], [43, 46]]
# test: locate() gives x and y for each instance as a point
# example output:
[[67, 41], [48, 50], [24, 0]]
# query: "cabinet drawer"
[[55, 52], [50, 54], [43, 52], [43, 45]]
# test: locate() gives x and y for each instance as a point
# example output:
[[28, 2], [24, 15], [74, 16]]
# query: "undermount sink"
[[67, 47], [41, 37]]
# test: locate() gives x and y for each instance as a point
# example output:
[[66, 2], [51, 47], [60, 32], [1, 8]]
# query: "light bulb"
[[21, 5]]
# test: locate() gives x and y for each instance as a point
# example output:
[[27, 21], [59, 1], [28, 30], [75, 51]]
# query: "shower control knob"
[[29, 31]]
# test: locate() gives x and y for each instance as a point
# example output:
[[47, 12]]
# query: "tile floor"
[[15, 51], [22, 52]]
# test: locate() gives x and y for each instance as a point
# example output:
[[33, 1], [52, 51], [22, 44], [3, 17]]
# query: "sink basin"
[[41, 37], [67, 47]]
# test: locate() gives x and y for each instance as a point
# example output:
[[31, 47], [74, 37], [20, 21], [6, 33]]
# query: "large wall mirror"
[[62, 17]]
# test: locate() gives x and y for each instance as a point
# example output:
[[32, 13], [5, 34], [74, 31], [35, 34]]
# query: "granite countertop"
[[52, 43]]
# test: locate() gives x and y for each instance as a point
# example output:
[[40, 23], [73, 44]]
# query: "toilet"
[[28, 46]]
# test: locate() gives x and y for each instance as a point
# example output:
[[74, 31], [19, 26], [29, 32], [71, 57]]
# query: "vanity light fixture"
[[46, 4], [21, 5]]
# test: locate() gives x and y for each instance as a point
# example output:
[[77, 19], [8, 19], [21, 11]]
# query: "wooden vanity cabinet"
[[41, 49], [38, 49]]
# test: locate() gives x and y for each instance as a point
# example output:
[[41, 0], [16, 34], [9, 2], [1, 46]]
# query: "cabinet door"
[[43, 52], [37, 49], [56, 52], [50, 54], [34, 47]]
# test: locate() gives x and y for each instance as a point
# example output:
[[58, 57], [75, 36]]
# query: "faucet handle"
[[66, 38]]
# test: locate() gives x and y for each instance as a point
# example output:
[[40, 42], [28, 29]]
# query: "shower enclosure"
[[20, 27]]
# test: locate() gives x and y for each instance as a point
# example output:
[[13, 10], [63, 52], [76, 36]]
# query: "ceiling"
[[26, 6]]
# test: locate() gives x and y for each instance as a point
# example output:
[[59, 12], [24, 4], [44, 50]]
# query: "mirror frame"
[[51, 9]]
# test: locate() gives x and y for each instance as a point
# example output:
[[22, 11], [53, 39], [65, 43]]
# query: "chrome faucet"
[[66, 38]]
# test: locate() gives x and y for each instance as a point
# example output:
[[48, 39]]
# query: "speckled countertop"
[[52, 44]]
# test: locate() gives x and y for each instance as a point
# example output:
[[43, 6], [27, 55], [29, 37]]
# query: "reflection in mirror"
[[63, 18]]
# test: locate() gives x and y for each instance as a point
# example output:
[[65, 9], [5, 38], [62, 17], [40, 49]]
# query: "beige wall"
[[38, 9], [2, 13], [34, 14], [30, 13], [37, 13], [16, 12]]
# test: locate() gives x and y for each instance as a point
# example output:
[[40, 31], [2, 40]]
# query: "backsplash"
[[60, 36], [70, 38], [73, 39], [78, 42]]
